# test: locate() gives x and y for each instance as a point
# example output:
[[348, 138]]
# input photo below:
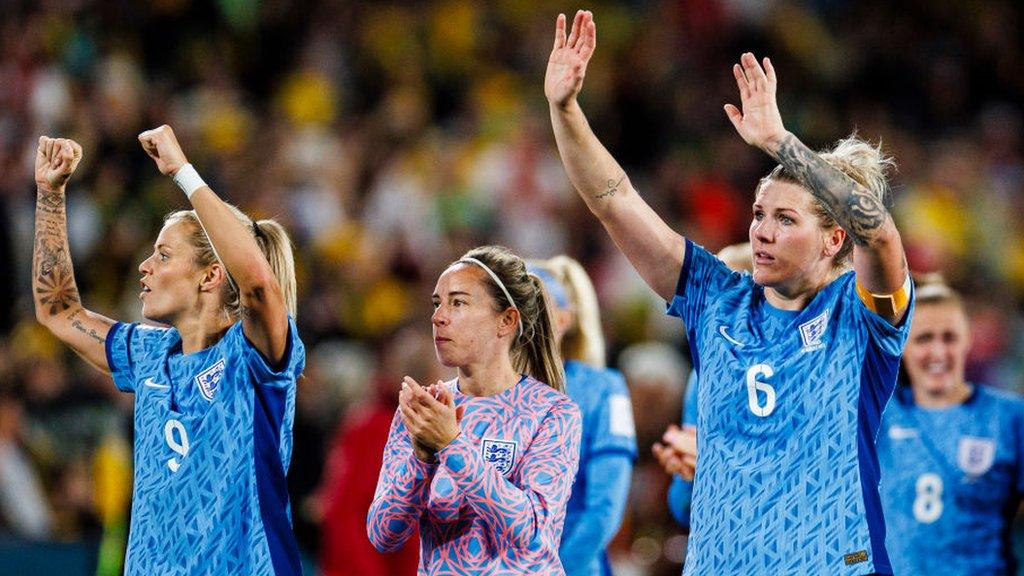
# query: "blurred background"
[[389, 137]]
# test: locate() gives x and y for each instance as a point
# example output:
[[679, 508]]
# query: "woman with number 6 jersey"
[[214, 391], [483, 465], [951, 452], [797, 360]]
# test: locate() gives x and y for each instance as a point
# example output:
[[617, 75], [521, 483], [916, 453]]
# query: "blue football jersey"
[[607, 452], [788, 410], [951, 483], [213, 439]]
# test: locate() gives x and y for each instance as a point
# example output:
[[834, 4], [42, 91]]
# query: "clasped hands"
[[430, 415], [678, 453]]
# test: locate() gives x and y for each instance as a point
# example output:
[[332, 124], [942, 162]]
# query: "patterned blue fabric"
[[607, 452], [951, 483], [786, 421], [213, 439], [680, 492]]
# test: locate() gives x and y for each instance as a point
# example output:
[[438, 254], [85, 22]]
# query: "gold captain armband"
[[887, 305]]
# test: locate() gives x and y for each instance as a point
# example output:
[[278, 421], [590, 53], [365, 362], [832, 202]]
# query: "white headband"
[[504, 290]]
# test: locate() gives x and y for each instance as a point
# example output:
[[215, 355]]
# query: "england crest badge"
[[812, 331], [975, 455], [500, 453], [209, 379]]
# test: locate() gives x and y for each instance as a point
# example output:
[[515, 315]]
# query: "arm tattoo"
[[90, 332], [613, 187], [854, 207], [53, 276], [50, 202]]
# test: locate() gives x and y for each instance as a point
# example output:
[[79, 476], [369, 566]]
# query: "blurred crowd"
[[389, 137]]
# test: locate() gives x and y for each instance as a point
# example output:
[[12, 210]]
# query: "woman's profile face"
[[936, 349], [466, 327], [170, 279], [786, 238]]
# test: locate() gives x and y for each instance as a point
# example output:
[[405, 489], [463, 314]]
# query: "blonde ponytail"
[[273, 241]]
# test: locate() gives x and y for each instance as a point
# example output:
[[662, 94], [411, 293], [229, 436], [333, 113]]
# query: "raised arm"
[[265, 313], [655, 250], [54, 292], [878, 256]]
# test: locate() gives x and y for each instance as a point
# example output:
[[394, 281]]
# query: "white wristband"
[[188, 180]]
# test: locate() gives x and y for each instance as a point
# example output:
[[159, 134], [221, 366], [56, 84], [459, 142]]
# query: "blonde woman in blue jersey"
[[608, 447], [951, 453], [214, 391], [797, 360]]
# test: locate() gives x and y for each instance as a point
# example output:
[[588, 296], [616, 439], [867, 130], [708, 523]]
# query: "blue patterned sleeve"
[[702, 275], [128, 346], [885, 342], [282, 374], [886, 337], [608, 479], [614, 428]]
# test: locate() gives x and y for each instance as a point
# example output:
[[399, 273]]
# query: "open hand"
[[162, 146], [567, 64], [759, 123], [56, 161]]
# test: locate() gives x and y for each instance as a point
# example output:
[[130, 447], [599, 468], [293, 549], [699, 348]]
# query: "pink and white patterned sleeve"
[[518, 512], [403, 490]]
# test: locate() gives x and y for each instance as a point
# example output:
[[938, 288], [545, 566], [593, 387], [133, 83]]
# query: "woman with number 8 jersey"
[[214, 391], [796, 360], [951, 453]]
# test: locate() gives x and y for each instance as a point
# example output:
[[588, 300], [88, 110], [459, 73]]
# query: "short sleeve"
[[284, 373], [889, 338], [130, 347], [702, 275], [615, 428]]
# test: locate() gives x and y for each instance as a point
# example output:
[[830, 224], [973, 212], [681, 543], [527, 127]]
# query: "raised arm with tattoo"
[[878, 253], [265, 314], [54, 292], [655, 250]]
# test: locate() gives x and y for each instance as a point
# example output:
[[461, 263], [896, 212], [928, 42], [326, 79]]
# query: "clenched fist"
[[162, 146], [56, 161]]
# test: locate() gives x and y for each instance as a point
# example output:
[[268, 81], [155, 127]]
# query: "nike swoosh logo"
[[149, 382], [722, 331], [900, 433]]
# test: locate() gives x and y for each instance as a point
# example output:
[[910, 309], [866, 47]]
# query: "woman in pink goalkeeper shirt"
[[483, 464]]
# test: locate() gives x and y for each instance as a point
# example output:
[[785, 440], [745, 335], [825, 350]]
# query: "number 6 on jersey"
[[753, 387]]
